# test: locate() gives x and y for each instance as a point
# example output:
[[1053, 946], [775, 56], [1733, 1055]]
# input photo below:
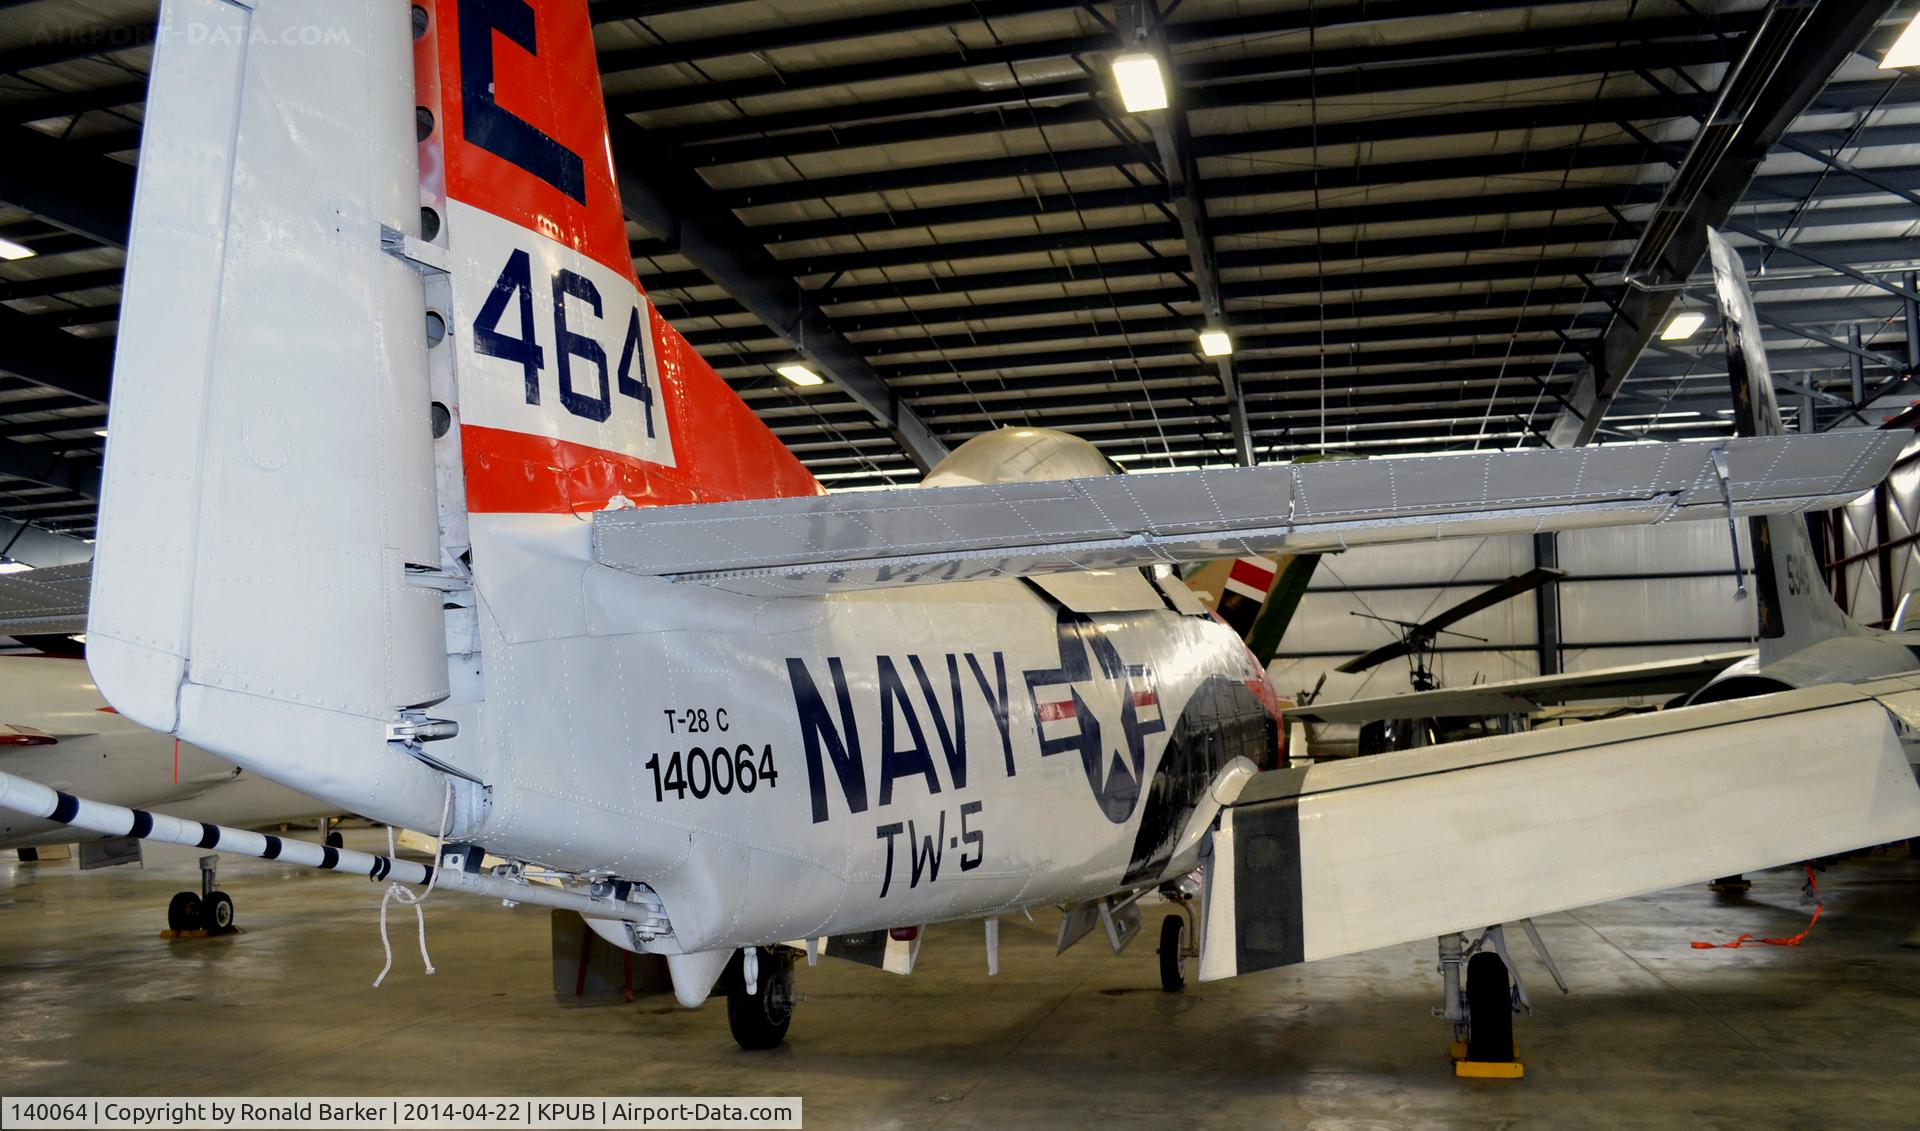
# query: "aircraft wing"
[[829, 543], [48, 600], [1524, 696], [1347, 856]]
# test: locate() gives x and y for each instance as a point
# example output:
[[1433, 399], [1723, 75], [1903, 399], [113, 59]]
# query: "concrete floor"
[[1654, 1033]]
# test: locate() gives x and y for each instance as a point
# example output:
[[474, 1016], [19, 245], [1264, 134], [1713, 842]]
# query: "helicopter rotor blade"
[[1418, 635]]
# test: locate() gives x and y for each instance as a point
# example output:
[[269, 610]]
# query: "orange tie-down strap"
[[1813, 886]]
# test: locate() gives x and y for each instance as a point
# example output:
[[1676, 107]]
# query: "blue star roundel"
[[1097, 705]]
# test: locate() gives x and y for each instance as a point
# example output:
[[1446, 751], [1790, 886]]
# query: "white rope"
[[396, 892]]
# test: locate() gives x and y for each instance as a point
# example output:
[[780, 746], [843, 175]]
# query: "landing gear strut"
[[1179, 936], [208, 912], [1482, 1004], [760, 997]]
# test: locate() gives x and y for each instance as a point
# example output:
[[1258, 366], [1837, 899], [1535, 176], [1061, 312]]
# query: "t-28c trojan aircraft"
[[414, 504]]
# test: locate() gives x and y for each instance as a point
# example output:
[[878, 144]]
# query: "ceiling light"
[[1683, 326], [100, 432], [1141, 87], [11, 250], [1216, 343], [800, 375], [1905, 51]]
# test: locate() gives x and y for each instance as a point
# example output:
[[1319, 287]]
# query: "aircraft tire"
[[1489, 1009], [219, 912], [1173, 934], [759, 1020], [335, 840], [183, 913]]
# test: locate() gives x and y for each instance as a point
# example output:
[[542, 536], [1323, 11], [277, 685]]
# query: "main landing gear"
[[207, 912], [1179, 935], [760, 997], [1481, 1006]]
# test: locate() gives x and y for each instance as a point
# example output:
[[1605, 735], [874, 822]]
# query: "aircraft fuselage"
[[800, 767]]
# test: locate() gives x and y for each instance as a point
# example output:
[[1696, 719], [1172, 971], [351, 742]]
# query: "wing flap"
[[1349, 856], [776, 547]]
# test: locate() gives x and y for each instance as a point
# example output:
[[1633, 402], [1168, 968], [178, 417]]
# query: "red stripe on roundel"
[[1251, 573], [1054, 712]]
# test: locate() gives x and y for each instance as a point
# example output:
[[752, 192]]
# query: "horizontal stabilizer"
[[908, 536], [49, 600], [1347, 856], [1523, 696]]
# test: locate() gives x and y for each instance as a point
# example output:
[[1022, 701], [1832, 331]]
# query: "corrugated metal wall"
[[1631, 595], [1888, 516]]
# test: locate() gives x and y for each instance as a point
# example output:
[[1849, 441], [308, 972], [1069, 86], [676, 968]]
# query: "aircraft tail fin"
[[571, 388], [1793, 608], [378, 283]]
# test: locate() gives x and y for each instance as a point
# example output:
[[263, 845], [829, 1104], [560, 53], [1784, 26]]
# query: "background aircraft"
[[1804, 638], [538, 582], [56, 729]]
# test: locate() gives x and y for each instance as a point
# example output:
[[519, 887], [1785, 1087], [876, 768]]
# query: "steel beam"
[[1167, 266], [1783, 189], [1209, 85], [1335, 342], [1540, 298], [14, 289], [1264, 80], [69, 44], [610, 11], [1865, 176], [1546, 605], [78, 191], [676, 205], [1246, 319], [1813, 255], [36, 547], [963, 57], [1782, 69], [1261, 223], [1911, 284], [64, 103], [883, 22], [1851, 346], [54, 358], [49, 465]]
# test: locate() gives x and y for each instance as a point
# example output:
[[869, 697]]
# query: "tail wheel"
[[1173, 962], [759, 1020], [1489, 1009], [219, 912], [183, 914]]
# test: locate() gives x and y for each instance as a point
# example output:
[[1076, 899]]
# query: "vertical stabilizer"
[[1793, 608], [269, 478], [380, 306], [571, 389]]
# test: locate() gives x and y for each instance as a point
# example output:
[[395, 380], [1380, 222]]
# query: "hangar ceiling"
[[1412, 216]]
